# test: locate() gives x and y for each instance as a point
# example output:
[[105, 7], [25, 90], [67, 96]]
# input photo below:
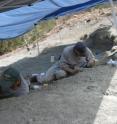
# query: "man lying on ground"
[[12, 83], [72, 59]]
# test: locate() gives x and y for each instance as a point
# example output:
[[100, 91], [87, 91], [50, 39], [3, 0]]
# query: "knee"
[[60, 74]]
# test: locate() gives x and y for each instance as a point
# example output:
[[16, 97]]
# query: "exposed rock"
[[103, 43], [103, 39]]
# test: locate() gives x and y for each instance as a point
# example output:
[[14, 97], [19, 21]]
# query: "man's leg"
[[48, 76], [60, 74], [53, 73]]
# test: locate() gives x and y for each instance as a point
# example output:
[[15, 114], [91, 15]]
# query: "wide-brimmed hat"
[[9, 77]]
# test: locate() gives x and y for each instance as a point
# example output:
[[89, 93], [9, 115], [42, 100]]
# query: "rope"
[[10, 4], [59, 34], [26, 43], [4, 3], [7, 7], [17, 3]]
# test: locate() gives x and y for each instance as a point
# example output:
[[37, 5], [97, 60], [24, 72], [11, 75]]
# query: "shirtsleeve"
[[89, 55]]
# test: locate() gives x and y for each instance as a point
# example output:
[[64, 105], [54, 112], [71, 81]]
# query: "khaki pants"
[[53, 73]]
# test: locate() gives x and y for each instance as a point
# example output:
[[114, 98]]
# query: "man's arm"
[[69, 69], [90, 58]]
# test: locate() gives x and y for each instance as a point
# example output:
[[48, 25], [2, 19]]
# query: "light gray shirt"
[[68, 57]]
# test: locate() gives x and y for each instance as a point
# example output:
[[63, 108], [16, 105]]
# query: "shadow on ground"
[[73, 100]]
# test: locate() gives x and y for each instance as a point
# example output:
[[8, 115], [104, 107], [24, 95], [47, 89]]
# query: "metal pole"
[[38, 47], [37, 39], [113, 13]]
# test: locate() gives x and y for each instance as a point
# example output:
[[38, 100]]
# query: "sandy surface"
[[89, 97]]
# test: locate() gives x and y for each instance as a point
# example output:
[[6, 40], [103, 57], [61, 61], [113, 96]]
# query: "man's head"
[[80, 49]]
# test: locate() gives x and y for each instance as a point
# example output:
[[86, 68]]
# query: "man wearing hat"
[[12, 83], [72, 59]]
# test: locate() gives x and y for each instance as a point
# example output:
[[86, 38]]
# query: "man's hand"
[[69, 69], [78, 69], [91, 63]]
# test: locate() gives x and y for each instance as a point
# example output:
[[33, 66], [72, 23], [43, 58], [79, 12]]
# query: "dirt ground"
[[89, 97]]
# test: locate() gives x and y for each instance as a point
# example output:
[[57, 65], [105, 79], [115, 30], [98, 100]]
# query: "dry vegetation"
[[46, 28]]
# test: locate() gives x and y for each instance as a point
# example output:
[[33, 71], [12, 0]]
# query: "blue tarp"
[[16, 22]]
